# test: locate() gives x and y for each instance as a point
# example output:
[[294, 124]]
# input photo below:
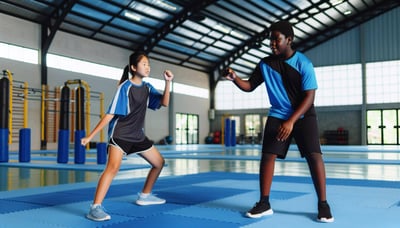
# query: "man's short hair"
[[283, 27]]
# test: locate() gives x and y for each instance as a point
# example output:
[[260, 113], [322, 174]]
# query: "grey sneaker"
[[149, 200], [98, 214]]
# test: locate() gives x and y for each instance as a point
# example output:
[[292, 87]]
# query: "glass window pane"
[[389, 126], [374, 127], [383, 83], [237, 124], [339, 85], [252, 125], [229, 97]]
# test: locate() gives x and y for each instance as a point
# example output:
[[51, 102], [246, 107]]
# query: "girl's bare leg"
[[112, 168], [157, 162]]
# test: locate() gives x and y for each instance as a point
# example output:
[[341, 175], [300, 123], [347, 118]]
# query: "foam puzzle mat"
[[212, 199]]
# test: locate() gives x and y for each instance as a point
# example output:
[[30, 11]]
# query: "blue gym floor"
[[205, 186]]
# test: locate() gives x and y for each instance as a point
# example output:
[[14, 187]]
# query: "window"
[[229, 97], [85, 67], [187, 128], [252, 125], [18, 53], [28, 55], [252, 128], [339, 85], [383, 126], [383, 82]]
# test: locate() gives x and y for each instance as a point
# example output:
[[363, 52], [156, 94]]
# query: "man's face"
[[279, 43]]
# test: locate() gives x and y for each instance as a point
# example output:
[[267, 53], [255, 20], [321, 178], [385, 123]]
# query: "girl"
[[126, 116]]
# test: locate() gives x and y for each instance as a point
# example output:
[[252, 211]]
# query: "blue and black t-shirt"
[[285, 80], [129, 106]]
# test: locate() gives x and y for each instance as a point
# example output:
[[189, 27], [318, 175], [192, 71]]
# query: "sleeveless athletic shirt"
[[129, 107], [286, 81]]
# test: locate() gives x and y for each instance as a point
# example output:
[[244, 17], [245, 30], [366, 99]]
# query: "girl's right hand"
[[168, 75], [85, 141]]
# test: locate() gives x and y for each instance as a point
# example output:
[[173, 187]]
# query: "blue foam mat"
[[215, 199]]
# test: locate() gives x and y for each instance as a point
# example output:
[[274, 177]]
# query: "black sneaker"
[[324, 213], [259, 210]]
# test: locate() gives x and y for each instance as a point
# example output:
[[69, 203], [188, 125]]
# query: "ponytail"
[[134, 59], [125, 75]]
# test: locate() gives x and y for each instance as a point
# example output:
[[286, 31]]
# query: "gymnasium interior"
[[61, 61]]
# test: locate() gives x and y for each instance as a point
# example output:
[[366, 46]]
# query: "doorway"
[[187, 128], [383, 127]]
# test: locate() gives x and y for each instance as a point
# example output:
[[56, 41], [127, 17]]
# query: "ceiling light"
[[165, 5], [336, 2], [303, 16], [222, 28], [237, 34], [132, 16], [324, 6], [344, 7], [347, 12]]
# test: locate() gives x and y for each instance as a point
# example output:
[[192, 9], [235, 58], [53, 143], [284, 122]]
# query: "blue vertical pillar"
[[233, 132], [63, 132], [4, 117], [227, 135], [25, 145], [101, 153], [63, 146], [3, 144], [79, 149]]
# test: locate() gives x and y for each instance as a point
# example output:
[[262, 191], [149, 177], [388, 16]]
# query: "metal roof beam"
[[49, 29], [53, 22], [253, 42], [345, 25], [177, 20]]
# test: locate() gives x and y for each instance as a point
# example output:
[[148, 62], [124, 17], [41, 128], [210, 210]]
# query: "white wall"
[[18, 31], [26, 34]]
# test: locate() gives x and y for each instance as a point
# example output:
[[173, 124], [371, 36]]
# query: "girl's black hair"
[[134, 59]]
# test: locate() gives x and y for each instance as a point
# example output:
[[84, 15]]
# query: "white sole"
[[96, 219], [326, 220], [265, 213], [145, 203]]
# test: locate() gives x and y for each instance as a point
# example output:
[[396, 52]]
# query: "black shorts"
[[131, 147], [305, 133]]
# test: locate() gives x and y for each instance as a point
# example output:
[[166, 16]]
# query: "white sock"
[[95, 205], [144, 195]]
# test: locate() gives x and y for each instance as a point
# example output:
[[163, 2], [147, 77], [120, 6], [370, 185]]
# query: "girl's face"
[[143, 68], [280, 44]]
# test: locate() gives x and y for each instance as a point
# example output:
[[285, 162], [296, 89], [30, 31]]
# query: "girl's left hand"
[[168, 75]]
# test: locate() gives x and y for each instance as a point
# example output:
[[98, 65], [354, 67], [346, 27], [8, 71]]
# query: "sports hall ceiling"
[[204, 35]]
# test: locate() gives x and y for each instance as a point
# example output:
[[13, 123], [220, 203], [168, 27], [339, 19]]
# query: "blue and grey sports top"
[[286, 81], [129, 107]]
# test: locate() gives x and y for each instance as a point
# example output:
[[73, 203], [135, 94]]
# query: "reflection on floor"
[[209, 184]]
